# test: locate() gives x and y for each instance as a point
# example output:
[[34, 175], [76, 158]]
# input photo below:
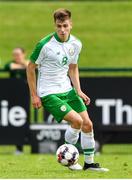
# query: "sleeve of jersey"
[[77, 53], [37, 54]]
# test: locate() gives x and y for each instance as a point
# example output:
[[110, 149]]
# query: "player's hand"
[[36, 102], [84, 97]]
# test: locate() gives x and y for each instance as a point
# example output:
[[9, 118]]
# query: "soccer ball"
[[67, 155]]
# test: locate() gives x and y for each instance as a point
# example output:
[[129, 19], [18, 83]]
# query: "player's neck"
[[65, 39]]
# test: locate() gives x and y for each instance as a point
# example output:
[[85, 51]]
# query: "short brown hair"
[[62, 14]]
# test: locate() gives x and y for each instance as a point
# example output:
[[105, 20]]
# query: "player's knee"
[[78, 123], [87, 126]]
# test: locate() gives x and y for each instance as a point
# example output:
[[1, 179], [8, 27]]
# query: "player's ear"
[[55, 25]]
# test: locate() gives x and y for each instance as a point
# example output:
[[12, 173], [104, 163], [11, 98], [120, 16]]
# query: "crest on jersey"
[[63, 108], [71, 51]]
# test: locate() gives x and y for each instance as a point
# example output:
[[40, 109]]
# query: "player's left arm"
[[74, 76]]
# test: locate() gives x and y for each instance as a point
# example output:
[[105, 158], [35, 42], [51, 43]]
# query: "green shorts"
[[60, 104]]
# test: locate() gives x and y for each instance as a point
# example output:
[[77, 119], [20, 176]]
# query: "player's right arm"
[[31, 78], [35, 59]]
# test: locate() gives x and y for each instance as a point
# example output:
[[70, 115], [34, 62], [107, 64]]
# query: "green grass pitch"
[[115, 157], [104, 28]]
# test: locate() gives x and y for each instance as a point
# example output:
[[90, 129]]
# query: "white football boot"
[[75, 167]]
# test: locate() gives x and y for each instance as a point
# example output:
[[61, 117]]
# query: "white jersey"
[[53, 58]]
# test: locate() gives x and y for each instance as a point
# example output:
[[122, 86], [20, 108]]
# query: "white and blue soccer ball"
[[67, 155]]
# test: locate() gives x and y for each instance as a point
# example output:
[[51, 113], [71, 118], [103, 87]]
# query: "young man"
[[56, 56]]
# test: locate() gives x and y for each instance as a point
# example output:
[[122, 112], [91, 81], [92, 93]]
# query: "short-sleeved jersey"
[[53, 58]]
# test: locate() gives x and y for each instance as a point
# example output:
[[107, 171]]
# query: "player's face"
[[63, 29], [18, 55]]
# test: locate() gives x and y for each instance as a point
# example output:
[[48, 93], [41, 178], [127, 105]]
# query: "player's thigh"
[[75, 102], [87, 123], [74, 119], [57, 107]]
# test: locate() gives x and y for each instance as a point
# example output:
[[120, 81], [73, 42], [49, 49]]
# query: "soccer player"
[[56, 56]]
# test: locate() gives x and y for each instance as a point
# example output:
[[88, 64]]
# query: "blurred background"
[[105, 64]]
